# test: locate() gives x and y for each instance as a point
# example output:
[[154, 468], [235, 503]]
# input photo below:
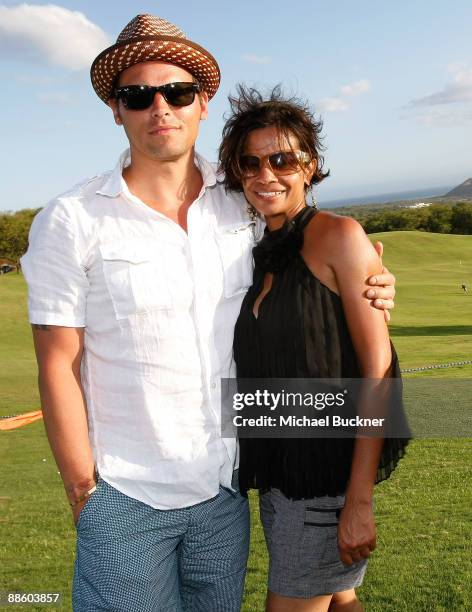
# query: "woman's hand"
[[356, 531], [382, 293]]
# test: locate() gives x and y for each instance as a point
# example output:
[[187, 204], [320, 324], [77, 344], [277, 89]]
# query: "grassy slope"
[[423, 512], [432, 322]]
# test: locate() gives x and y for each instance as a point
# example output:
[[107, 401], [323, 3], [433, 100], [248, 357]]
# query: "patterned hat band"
[[147, 38]]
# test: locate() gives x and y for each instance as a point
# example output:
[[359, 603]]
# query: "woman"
[[305, 317]]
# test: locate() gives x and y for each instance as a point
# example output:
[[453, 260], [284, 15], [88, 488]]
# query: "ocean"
[[418, 194]]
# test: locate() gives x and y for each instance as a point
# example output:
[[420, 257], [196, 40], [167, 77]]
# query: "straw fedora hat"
[[147, 38]]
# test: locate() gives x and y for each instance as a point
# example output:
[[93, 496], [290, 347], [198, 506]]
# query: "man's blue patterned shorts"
[[133, 558]]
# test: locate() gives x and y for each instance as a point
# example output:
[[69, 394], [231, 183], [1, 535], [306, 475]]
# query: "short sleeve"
[[52, 266]]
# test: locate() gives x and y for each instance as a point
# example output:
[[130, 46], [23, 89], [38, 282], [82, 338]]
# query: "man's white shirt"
[[159, 307]]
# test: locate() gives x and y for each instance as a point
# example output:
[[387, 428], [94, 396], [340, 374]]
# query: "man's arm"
[[59, 353]]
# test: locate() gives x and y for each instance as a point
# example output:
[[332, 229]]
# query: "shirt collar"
[[114, 185], [208, 171]]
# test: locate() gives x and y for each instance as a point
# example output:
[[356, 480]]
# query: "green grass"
[[18, 373], [432, 321], [36, 532], [424, 512]]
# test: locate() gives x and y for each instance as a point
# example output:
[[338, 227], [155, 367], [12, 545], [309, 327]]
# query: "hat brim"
[[179, 51]]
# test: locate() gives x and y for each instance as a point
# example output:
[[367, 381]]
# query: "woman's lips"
[[268, 195]]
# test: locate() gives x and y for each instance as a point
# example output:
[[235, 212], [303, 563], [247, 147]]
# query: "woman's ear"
[[309, 172]]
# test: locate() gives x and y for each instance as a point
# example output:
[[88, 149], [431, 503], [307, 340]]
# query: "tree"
[[461, 218], [439, 220], [14, 230]]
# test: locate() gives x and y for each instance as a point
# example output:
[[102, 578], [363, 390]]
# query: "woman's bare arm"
[[349, 260]]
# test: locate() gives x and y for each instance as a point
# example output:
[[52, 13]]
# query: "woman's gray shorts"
[[302, 542]]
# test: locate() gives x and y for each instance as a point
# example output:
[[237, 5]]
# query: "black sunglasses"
[[140, 97], [282, 162]]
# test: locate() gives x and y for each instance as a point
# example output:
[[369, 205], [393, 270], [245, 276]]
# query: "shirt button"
[[213, 385]]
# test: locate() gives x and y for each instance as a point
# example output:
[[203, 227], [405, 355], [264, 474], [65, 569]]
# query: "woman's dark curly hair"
[[251, 111]]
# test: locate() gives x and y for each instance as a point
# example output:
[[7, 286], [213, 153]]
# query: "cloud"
[[338, 104], [54, 98], [441, 116], [437, 117], [332, 105], [256, 59], [50, 33], [354, 89], [458, 90], [448, 107]]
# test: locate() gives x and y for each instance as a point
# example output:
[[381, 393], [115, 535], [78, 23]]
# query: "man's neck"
[[168, 186]]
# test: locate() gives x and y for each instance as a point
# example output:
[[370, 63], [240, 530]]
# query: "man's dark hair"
[[251, 111]]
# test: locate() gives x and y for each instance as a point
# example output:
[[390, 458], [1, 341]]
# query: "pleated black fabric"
[[300, 332]]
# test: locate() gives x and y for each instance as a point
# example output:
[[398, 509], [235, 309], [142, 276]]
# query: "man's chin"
[[167, 153]]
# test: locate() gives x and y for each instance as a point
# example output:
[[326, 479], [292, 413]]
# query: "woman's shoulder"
[[337, 242], [332, 221], [332, 229]]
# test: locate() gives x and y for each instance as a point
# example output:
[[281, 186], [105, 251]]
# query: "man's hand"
[[84, 490], [356, 532], [76, 510], [383, 292]]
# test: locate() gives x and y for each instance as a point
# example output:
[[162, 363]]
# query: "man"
[[135, 281]]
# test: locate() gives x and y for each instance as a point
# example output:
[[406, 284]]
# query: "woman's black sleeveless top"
[[300, 332]]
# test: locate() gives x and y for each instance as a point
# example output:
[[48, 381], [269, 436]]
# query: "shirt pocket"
[[235, 243], [135, 277]]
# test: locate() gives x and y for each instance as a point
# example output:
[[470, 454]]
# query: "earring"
[[252, 212], [313, 203]]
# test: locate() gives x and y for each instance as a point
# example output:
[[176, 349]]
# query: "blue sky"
[[392, 81]]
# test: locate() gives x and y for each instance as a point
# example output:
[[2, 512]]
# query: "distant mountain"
[[464, 190]]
